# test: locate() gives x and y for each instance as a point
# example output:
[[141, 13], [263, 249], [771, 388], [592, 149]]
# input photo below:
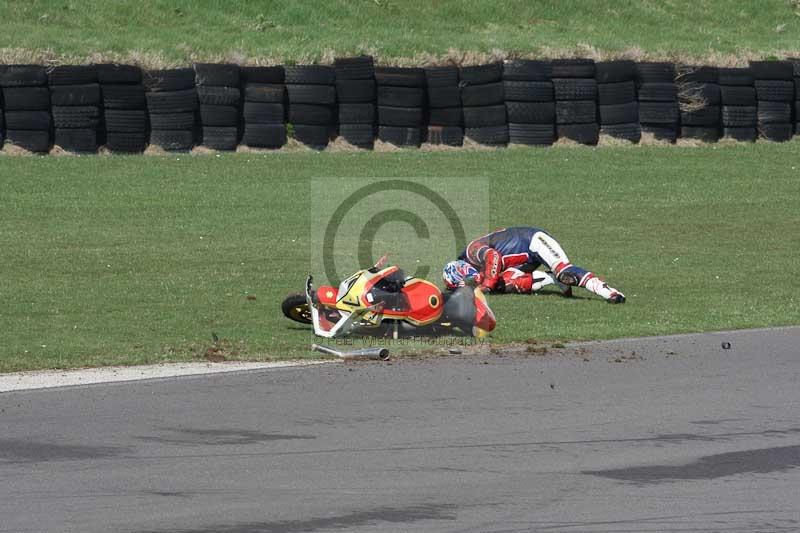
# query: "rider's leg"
[[515, 280], [551, 253]]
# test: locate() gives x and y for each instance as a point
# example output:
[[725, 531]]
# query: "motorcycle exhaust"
[[364, 353]]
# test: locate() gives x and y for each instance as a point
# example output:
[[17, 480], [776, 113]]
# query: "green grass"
[[122, 260], [304, 30]]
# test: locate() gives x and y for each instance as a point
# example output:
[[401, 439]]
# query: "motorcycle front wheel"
[[295, 308]]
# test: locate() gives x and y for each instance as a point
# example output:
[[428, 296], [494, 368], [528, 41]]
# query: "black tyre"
[[126, 121], [575, 88], [23, 76], [437, 77], [28, 120], [354, 68], [573, 68], [311, 94], [527, 70], [220, 138], [702, 133], [661, 132], [616, 93], [482, 117], [119, 74], [531, 112], [400, 136], [483, 95], [708, 92], [123, 96], [739, 95], [32, 140], [629, 132], [481, 74], [735, 77], [400, 116], [315, 136], [26, 98], [217, 74], [72, 75], [444, 96], [76, 116], [446, 116], [355, 91], [658, 92], [295, 307], [265, 93], [262, 75], [224, 116], [650, 72], [580, 133], [739, 116], [528, 91], [219, 95], [401, 96], [659, 112], [446, 135], [172, 101], [697, 74], [76, 140], [740, 134], [775, 90], [619, 113], [173, 140], [488, 135], [358, 134], [75, 94], [264, 135], [169, 80], [260, 113], [576, 112], [173, 121], [316, 115], [309, 75], [400, 76], [126, 142], [356, 114], [707, 116], [772, 70], [774, 112], [615, 71], [776, 132], [531, 134]]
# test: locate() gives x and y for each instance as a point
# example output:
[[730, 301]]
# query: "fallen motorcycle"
[[383, 302]]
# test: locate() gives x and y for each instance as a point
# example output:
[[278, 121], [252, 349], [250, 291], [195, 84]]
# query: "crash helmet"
[[457, 273]]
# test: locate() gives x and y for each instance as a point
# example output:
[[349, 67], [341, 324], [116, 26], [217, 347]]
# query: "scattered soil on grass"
[[608, 140], [13, 149]]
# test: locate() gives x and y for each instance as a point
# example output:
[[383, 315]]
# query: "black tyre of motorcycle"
[[295, 308]]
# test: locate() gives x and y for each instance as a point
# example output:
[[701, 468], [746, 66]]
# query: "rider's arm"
[[487, 260]]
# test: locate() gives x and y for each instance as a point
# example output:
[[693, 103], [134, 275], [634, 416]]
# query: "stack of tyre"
[[2, 118], [659, 112], [75, 104], [738, 98], [445, 117], [618, 107], [401, 105], [576, 100], [699, 95], [219, 96], [774, 82], [264, 95], [26, 100], [172, 108], [530, 102], [124, 108], [312, 100], [355, 94], [483, 99]]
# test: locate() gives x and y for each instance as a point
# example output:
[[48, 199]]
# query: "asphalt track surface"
[[666, 434]]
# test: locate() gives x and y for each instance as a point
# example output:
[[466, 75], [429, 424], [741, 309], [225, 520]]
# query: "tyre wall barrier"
[[123, 108]]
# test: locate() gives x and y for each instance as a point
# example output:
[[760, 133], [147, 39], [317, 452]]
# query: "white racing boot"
[[601, 288]]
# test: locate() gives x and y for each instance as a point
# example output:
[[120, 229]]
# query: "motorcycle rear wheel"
[[296, 308]]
